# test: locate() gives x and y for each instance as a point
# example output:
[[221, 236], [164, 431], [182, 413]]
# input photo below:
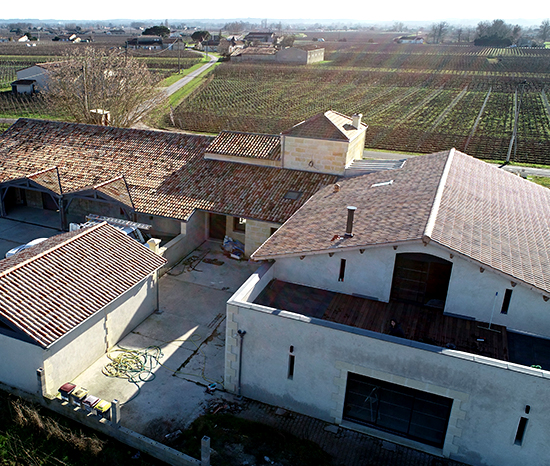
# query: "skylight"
[[294, 195]]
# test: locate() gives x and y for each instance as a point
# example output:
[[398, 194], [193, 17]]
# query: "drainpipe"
[[241, 334]]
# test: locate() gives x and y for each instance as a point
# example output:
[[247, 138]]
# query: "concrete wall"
[[471, 293], [19, 362], [489, 396], [256, 234], [162, 226], [77, 350], [37, 73], [356, 148]]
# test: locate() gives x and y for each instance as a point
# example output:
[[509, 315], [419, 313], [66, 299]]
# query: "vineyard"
[[420, 99]]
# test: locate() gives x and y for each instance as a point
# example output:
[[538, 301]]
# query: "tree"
[[544, 30], [199, 36], [162, 31], [496, 34], [91, 79], [288, 41], [439, 30]]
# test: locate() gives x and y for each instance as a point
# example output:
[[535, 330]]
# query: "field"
[[415, 98]]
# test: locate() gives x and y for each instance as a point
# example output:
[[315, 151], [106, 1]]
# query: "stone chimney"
[[356, 120]]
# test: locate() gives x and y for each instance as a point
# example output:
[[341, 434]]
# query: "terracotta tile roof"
[[466, 205], [328, 125], [237, 144], [166, 173], [49, 178], [51, 288]]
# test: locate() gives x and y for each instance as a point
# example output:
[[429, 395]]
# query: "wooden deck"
[[419, 323]]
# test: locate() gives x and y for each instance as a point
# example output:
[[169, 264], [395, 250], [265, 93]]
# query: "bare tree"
[[438, 31], [90, 80], [544, 30]]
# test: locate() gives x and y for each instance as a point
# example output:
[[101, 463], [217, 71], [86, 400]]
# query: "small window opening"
[[294, 195], [273, 230], [521, 431], [239, 224], [506, 301], [342, 270], [291, 360]]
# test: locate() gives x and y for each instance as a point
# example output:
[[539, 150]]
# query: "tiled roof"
[[466, 205], [49, 289], [260, 146], [166, 173], [328, 125]]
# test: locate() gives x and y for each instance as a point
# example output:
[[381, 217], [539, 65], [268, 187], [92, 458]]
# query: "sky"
[[385, 11]]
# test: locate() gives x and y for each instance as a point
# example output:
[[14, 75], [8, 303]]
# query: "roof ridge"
[[427, 235], [49, 250]]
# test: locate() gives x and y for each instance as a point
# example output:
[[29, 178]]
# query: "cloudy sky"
[[396, 10]]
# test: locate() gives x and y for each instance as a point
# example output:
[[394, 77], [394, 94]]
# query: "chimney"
[[356, 120], [349, 227]]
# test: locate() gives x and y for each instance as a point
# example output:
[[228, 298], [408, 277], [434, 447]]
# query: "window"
[[506, 301], [342, 270], [294, 195], [521, 431], [273, 230], [239, 224], [397, 409], [291, 360]]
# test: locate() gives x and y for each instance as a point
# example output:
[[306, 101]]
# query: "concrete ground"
[[14, 233], [190, 332]]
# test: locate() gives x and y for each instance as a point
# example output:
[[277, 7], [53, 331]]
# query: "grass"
[[158, 118], [177, 76], [31, 435], [236, 441], [542, 180]]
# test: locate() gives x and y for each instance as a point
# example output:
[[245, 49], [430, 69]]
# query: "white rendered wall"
[[471, 293], [489, 396], [19, 362], [72, 354]]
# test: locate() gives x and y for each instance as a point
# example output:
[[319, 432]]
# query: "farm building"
[[32, 79], [242, 186], [303, 56], [452, 249], [68, 300], [267, 37], [146, 42], [410, 40]]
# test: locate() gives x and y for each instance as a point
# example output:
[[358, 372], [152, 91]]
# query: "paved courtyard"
[[189, 330]]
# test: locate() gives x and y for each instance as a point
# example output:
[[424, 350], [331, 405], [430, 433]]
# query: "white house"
[[453, 249], [32, 79], [68, 300]]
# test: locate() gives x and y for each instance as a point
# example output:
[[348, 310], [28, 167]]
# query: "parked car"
[[30, 244]]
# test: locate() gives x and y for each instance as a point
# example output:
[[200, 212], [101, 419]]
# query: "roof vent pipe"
[[349, 227], [356, 120]]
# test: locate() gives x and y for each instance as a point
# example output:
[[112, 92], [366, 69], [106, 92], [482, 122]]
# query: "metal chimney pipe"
[[349, 227]]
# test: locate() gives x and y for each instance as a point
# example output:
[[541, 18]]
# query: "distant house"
[[255, 53], [109, 285], [409, 40], [146, 42], [67, 38], [304, 56], [266, 52], [267, 37], [24, 38]]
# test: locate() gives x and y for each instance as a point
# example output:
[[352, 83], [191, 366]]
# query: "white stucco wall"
[[489, 396], [19, 363], [73, 353], [471, 293]]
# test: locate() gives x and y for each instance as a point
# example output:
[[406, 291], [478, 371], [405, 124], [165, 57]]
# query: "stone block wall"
[[314, 155], [256, 234]]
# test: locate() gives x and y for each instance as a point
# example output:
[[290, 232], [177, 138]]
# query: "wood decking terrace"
[[419, 323]]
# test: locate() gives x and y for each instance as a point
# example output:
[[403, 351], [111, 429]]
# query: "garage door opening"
[[216, 226], [399, 410], [421, 279]]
